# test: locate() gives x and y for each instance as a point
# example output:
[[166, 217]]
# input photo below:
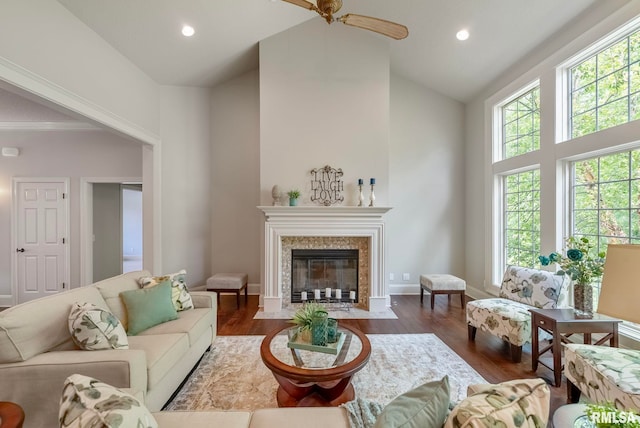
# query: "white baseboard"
[[404, 289]]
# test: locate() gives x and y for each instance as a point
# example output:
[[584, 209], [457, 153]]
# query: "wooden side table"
[[562, 323]]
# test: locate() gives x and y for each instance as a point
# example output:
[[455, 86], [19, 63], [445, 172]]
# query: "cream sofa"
[[308, 417], [37, 352]]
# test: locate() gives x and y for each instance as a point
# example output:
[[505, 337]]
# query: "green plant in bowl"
[[303, 316]]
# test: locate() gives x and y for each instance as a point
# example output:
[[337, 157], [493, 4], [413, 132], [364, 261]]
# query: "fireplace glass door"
[[327, 275]]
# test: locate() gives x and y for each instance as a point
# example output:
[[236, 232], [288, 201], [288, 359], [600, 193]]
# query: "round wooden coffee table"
[[309, 378], [11, 415]]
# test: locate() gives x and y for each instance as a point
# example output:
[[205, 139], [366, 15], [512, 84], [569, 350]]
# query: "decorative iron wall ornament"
[[326, 185]]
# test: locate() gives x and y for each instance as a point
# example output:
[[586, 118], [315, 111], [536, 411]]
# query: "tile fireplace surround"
[[326, 227]]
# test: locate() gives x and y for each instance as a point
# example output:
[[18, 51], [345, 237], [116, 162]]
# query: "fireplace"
[[324, 274], [312, 227]]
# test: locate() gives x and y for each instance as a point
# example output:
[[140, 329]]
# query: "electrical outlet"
[[392, 276], [406, 277]]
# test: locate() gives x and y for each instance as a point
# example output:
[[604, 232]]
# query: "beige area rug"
[[353, 313], [232, 375]]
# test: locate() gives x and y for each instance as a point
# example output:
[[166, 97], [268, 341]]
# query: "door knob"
[[20, 250]]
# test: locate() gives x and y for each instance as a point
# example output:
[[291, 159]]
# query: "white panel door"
[[41, 239]]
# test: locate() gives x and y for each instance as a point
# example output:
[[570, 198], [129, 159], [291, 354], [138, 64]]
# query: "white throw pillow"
[[89, 403], [179, 295], [93, 328]]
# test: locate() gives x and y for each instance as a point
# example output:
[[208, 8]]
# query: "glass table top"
[[313, 360]]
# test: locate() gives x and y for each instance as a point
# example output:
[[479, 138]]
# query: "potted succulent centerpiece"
[[303, 319], [293, 197]]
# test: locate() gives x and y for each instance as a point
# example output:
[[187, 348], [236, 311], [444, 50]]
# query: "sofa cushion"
[[307, 417], [533, 287], [111, 288], [179, 294], [424, 406], [203, 419], [194, 322], [93, 328], [30, 328], [162, 353], [89, 403], [148, 307], [522, 403]]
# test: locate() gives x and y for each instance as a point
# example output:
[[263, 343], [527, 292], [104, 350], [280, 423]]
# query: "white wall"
[[235, 180], [61, 52], [586, 29], [425, 228], [107, 230], [423, 152], [60, 154], [186, 182], [324, 100]]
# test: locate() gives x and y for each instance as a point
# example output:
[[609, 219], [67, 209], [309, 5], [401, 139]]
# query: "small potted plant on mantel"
[[293, 197]]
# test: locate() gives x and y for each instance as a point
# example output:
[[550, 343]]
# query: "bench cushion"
[[604, 374], [442, 282], [227, 281]]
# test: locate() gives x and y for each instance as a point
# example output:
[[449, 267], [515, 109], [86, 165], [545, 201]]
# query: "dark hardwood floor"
[[488, 354]]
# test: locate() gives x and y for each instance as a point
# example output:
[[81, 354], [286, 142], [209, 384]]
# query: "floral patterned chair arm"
[[508, 316], [605, 375]]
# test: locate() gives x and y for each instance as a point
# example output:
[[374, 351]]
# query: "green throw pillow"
[[424, 406], [148, 307]]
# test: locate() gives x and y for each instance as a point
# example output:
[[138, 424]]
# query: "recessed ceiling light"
[[462, 35], [188, 31]]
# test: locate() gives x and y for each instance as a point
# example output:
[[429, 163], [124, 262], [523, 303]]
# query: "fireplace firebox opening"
[[324, 274]]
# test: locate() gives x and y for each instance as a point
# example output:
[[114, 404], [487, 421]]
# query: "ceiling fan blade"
[[303, 3], [387, 28]]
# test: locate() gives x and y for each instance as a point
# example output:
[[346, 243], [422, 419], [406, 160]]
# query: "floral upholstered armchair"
[[508, 316], [604, 375]]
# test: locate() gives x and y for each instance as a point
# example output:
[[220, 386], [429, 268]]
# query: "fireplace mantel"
[[276, 212], [281, 221]]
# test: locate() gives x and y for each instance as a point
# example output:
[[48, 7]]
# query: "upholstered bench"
[[508, 316], [603, 374], [437, 283], [229, 283]]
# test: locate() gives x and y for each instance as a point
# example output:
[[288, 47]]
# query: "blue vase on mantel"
[[293, 202]]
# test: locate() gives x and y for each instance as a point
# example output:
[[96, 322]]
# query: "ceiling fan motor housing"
[[329, 7]]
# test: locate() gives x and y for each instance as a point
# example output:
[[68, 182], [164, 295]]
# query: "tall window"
[[521, 124], [522, 218], [606, 199], [605, 88]]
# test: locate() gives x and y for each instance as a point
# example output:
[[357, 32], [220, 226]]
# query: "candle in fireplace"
[[303, 296], [338, 293], [327, 292], [352, 295], [316, 294]]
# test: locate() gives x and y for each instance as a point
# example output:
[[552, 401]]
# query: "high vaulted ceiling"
[[225, 44]]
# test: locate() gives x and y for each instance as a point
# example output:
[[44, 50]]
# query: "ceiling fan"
[[327, 8]]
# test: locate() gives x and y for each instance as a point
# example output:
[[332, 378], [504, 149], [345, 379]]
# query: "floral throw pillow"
[[179, 294], [93, 328], [520, 403], [89, 403]]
